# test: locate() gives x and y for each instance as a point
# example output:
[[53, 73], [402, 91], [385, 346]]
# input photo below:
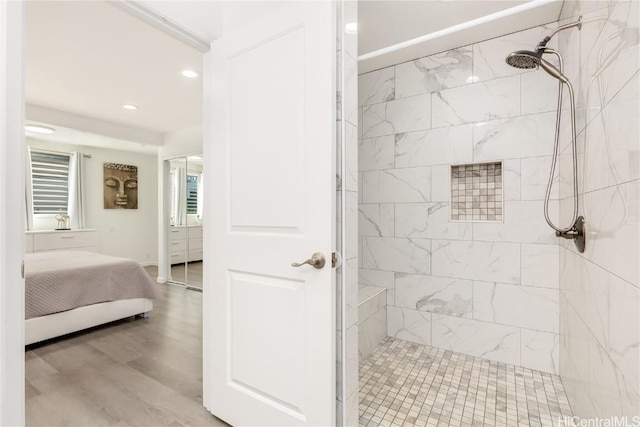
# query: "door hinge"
[[22, 269], [336, 260]]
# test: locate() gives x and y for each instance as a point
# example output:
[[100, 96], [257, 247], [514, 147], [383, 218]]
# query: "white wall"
[[12, 390], [182, 142], [130, 233], [600, 288], [485, 289]]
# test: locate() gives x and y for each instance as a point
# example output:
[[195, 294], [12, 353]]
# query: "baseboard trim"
[[149, 263]]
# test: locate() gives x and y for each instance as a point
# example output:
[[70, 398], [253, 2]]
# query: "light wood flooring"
[[192, 277], [133, 372]]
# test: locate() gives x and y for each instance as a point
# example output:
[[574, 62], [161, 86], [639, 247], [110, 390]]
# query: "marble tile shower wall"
[[487, 289], [600, 288]]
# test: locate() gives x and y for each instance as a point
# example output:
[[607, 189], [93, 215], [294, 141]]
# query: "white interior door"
[[269, 328]]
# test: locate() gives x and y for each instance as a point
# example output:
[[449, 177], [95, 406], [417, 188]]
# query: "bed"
[[74, 290]]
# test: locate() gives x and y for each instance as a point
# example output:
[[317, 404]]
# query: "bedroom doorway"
[[128, 105]]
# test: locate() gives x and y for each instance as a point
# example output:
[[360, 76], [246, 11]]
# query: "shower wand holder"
[[577, 234]]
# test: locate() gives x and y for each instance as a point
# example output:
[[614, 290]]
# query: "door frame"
[[12, 154]]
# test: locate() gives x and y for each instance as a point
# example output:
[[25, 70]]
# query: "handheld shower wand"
[[525, 59]]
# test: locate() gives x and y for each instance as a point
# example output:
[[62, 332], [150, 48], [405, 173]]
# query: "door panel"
[[276, 137], [269, 328], [267, 319]]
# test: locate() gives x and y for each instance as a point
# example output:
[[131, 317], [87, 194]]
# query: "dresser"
[[185, 244], [63, 240], [195, 243]]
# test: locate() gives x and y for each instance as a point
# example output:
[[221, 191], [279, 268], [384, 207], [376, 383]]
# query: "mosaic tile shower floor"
[[407, 384]]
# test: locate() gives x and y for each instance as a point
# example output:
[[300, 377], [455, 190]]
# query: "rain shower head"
[[527, 59], [524, 59]]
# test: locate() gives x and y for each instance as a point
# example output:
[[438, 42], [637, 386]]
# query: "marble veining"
[[599, 333], [376, 153], [376, 220], [351, 300], [515, 305], [350, 180], [398, 116], [397, 185], [440, 183], [540, 265], [500, 98], [371, 332], [397, 254], [409, 324], [539, 93], [376, 86], [371, 299], [624, 342], [436, 72], [434, 294], [517, 137], [433, 147], [482, 339], [474, 260], [430, 221], [523, 222], [535, 176], [380, 278], [351, 341], [540, 351]]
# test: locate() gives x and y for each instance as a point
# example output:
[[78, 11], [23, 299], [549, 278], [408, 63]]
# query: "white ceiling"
[[382, 23], [64, 135], [89, 58], [210, 19], [404, 20]]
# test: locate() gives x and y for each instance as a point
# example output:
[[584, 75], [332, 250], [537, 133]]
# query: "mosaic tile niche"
[[476, 192]]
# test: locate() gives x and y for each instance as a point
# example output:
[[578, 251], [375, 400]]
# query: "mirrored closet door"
[[185, 221]]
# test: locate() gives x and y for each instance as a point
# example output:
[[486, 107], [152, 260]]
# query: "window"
[[192, 194], [50, 180]]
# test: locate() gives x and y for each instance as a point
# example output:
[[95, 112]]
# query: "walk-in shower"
[[526, 59]]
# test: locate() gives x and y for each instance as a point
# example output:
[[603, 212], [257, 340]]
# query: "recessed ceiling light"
[[39, 129], [190, 74], [472, 79], [351, 28], [130, 107]]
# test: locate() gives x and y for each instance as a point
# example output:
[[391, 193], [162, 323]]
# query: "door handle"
[[317, 261]]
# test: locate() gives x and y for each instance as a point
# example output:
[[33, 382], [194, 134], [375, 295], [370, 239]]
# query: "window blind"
[[50, 180], [192, 194]]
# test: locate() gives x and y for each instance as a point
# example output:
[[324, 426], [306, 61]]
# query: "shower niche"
[[477, 192]]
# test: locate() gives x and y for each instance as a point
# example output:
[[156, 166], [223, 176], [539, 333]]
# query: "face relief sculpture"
[[120, 186]]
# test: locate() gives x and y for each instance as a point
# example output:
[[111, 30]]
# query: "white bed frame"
[[54, 325]]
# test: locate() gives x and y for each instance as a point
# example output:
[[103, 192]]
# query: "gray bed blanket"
[[60, 281]]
